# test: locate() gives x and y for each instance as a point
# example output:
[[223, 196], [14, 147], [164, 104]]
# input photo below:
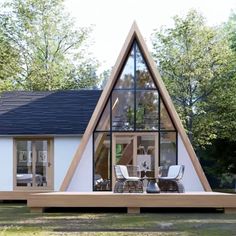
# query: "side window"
[[33, 163]]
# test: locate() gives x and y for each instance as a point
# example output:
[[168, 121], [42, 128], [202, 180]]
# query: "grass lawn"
[[15, 219]]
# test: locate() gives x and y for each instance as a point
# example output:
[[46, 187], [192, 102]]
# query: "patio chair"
[[100, 183], [172, 182], [127, 179]]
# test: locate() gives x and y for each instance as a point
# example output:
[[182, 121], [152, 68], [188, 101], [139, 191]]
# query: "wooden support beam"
[[229, 210], [133, 210], [36, 209]]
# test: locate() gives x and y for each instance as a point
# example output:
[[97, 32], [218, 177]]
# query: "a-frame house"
[[131, 122], [134, 121]]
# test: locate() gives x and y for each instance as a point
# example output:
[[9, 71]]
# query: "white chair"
[[100, 183], [127, 179], [172, 182]]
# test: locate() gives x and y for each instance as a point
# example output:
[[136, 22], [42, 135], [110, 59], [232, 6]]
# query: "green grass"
[[15, 219], [228, 190]]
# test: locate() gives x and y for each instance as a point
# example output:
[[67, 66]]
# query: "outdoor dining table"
[[152, 185]]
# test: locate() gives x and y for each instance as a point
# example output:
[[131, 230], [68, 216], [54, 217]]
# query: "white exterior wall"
[[64, 150], [82, 178], [190, 179], [6, 167]]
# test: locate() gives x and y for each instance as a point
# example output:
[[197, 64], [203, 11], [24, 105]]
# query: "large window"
[[123, 110], [33, 163], [102, 161], [168, 149], [147, 154], [147, 110], [135, 99], [134, 106]]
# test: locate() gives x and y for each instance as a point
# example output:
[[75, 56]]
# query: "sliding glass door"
[[33, 164], [139, 149]]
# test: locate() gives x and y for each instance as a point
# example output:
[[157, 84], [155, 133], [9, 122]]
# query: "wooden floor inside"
[[133, 201]]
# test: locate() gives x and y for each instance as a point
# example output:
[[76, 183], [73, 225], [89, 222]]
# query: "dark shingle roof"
[[42, 113]]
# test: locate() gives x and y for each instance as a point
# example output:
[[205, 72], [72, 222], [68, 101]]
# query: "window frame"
[[134, 89], [50, 167]]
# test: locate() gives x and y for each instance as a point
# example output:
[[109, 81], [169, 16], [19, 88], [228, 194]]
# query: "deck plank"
[[133, 200], [17, 195]]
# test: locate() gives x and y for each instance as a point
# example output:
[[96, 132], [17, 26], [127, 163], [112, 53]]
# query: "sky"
[[112, 19]]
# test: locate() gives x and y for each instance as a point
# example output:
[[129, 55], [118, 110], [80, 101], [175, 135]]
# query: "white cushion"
[[173, 171], [132, 178], [124, 171]]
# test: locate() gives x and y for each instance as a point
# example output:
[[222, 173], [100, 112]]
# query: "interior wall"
[[82, 178], [64, 151], [6, 166], [190, 179]]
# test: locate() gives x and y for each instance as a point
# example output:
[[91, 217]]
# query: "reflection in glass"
[[122, 110], [32, 163], [126, 79], [124, 150], [147, 110], [166, 123], [41, 163], [144, 79], [24, 170], [102, 174], [167, 149], [133, 106], [104, 122], [146, 155]]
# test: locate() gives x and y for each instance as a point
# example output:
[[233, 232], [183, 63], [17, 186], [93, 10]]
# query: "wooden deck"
[[133, 201], [17, 195]]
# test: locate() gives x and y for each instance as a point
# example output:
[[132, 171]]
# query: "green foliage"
[[219, 161], [104, 76], [8, 64], [52, 54], [230, 28], [226, 108], [194, 62]]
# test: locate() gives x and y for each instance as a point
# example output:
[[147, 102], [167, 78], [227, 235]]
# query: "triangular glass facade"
[[134, 106], [143, 77], [166, 123], [135, 103], [126, 79]]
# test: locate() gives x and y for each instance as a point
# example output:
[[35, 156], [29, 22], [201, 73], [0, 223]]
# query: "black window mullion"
[[159, 112], [159, 148], [135, 83], [111, 164], [93, 163], [159, 128], [176, 141]]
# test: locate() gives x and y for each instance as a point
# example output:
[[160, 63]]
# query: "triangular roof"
[[134, 34]]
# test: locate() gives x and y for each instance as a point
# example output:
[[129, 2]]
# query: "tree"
[[230, 28], [9, 66], [193, 60], [222, 102], [52, 54], [104, 76]]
